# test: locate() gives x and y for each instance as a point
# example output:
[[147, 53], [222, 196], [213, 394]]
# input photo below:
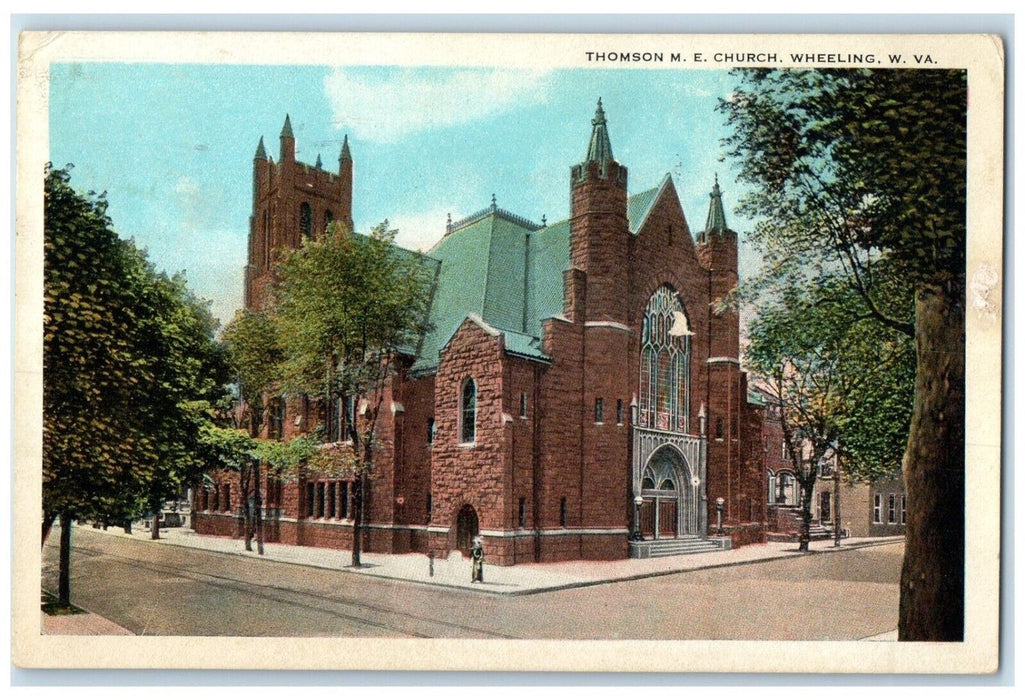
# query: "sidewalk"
[[454, 572], [522, 579]]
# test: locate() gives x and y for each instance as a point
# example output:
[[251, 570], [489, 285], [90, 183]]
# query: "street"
[[167, 590]]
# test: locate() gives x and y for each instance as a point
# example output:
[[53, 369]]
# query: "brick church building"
[[579, 395]]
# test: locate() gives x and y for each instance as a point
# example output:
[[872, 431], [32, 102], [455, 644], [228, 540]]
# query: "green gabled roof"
[[639, 205], [507, 272]]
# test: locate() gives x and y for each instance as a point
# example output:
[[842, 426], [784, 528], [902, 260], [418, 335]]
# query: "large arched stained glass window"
[[468, 409], [665, 364]]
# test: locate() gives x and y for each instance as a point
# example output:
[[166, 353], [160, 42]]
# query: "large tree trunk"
[[804, 538], [64, 576], [932, 579]]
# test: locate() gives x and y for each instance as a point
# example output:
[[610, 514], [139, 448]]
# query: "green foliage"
[[347, 303], [254, 353], [859, 172], [844, 381], [129, 364]]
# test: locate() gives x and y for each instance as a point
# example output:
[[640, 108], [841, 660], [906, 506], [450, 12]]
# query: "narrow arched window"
[[329, 218], [305, 219], [468, 412], [664, 400]]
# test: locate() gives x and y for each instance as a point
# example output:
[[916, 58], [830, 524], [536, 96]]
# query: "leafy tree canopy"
[[129, 365]]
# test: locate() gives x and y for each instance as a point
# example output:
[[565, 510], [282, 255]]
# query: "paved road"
[[158, 590]]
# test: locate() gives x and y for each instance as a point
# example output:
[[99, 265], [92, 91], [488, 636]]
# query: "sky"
[[173, 145]]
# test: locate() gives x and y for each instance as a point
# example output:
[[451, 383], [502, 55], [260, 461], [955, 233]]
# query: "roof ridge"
[[493, 209]]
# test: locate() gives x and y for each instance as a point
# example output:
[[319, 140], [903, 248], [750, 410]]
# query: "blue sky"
[[172, 144]]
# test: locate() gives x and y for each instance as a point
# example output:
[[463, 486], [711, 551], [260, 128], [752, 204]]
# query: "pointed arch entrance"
[[669, 491]]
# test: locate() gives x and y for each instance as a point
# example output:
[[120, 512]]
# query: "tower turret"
[[287, 141], [717, 251], [345, 181], [599, 230]]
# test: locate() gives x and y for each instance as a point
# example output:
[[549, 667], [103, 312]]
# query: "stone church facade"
[[580, 394]]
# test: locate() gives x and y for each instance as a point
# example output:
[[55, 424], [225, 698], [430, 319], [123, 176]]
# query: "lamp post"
[[720, 504], [636, 535]]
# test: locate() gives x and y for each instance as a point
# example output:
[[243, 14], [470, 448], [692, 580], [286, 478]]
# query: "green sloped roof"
[[509, 273]]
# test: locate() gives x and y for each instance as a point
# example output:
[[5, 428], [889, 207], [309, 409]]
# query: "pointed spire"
[[286, 130], [600, 148], [345, 155], [716, 216], [320, 163], [261, 152]]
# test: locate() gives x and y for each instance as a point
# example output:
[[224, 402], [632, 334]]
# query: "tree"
[[865, 170], [127, 354], [254, 355], [839, 378], [349, 305]]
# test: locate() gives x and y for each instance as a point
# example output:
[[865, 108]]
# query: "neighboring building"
[[577, 387], [875, 509]]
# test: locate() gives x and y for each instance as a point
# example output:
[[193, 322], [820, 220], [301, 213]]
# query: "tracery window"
[[659, 477], [665, 364]]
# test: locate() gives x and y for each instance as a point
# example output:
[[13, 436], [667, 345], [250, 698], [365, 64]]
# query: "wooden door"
[[648, 519], [667, 518]]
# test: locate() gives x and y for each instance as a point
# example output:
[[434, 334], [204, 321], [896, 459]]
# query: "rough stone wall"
[[473, 474], [599, 239], [561, 437]]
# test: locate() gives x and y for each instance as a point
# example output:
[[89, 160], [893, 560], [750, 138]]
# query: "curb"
[[531, 591]]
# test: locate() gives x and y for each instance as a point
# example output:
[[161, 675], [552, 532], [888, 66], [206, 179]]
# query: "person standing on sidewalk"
[[477, 554]]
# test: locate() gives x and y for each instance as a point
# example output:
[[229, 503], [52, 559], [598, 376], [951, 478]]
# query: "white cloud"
[[420, 230], [389, 106]]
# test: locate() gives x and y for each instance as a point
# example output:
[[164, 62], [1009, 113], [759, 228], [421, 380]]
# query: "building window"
[[227, 498], [877, 508], [305, 219], [826, 467], [276, 426], [766, 444], [332, 499], [891, 510], [562, 512], [523, 512], [523, 405], [311, 496], [430, 431], [430, 506], [619, 411], [772, 490], [665, 364], [215, 504], [329, 218], [468, 413], [903, 509], [343, 500], [719, 432], [599, 412]]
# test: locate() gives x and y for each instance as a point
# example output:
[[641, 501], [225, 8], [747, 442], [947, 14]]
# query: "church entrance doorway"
[[666, 509], [467, 527]]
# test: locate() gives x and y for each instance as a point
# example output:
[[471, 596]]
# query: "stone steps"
[[675, 547]]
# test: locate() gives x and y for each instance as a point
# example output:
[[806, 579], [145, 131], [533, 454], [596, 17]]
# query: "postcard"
[[497, 352]]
